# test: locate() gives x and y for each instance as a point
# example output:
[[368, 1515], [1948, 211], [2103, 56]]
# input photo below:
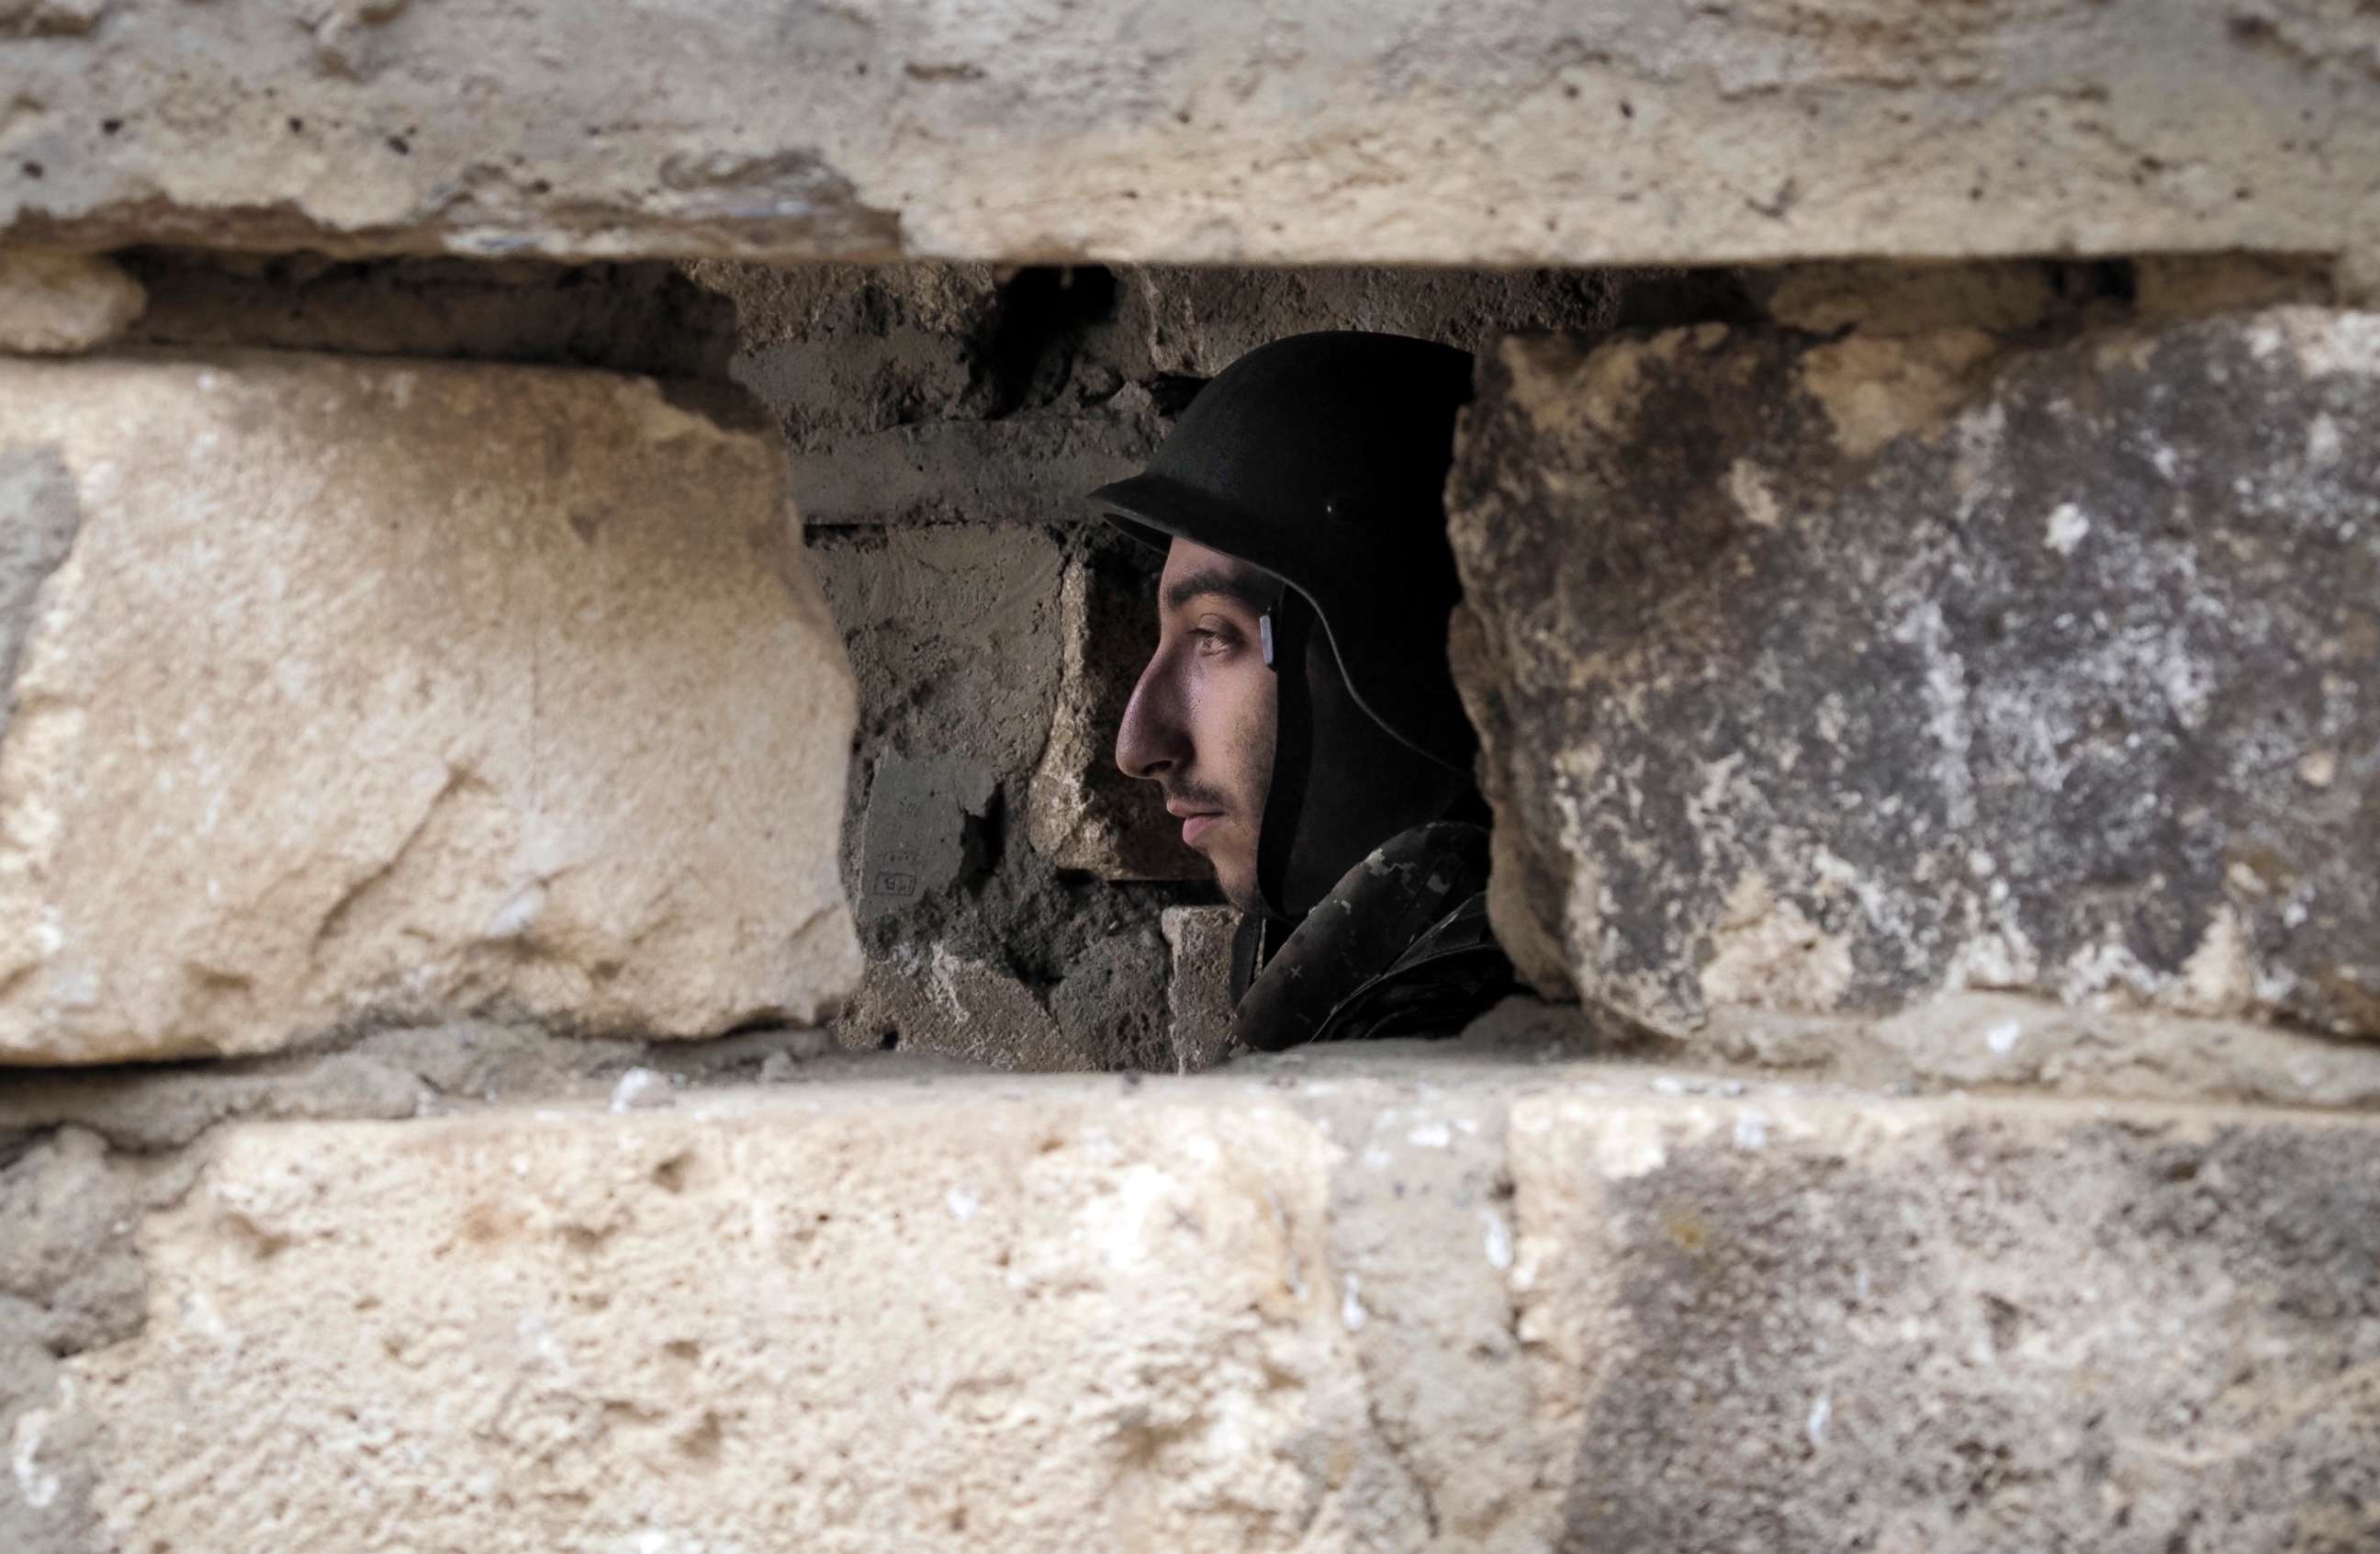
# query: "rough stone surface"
[[1198, 321], [925, 831], [954, 633], [630, 318], [1082, 812], [53, 304], [997, 952], [1801, 1323], [423, 690], [1031, 469], [1198, 993], [1447, 1298], [1828, 676], [946, 393], [1186, 131]]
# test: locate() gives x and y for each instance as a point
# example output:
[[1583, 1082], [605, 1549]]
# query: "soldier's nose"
[[1151, 740]]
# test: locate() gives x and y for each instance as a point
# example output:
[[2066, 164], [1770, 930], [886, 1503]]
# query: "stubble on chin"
[[1238, 879]]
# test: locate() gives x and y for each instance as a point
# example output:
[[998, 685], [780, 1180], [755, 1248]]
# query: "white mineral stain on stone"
[[1750, 488], [2002, 1038], [512, 918], [962, 1204], [2325, 342], [1499, 1240], [2324, 444], [1377, 1157], [1821, 1411], [640, 1088], [2220, 975], [2068, 525], [944, 985], [1630, 1145], [36, 1487], [1430, 1135], [2318, 769], [1118, 1222], [1945, 707], [1750, 1130], [1351, 1305]]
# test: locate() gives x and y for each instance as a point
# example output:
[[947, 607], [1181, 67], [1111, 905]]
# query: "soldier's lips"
[[1195, 827]]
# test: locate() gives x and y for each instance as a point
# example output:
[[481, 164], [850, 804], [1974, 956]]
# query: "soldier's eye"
[[1213, 637]]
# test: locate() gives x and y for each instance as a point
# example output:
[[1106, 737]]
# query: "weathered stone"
[[1020, 469], [1082, 812], [1885, 299], [1829, 677], [1198, 992], [1386, 1299], [1198, 321], [70, 1280], [369, 692], [841, 351], [1799, 1323], [628, 318], [1192, 132], [1018, 961], [919, 1329], [953, 632], [925, 831], [53, 304], [922, 996]]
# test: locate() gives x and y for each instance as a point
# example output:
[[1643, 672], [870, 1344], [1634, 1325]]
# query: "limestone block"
[[55, 304], [943, 1320], [1243, 132], [1198, 993], [1801, 1324], [1387, 1299], [349, 692], [1832, 676], [1082, 811]]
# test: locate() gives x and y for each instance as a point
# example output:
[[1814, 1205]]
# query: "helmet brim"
[[1156, 510]]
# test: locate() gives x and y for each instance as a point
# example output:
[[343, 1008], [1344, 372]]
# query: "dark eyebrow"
[[1250, 591]]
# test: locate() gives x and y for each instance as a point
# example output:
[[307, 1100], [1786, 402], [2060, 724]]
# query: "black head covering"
[[1321, 459]]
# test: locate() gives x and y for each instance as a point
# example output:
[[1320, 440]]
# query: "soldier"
[[1298, 710]]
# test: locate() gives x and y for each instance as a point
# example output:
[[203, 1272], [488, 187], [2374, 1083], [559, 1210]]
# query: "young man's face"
[[1200, 722]]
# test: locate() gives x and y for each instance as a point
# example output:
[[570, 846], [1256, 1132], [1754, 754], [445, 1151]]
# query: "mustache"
[[1196, 793]]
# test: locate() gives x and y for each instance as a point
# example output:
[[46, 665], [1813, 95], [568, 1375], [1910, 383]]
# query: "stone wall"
[[493, 750], [1962, 668]]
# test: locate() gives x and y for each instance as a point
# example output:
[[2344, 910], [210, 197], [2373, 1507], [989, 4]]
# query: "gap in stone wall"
[[1020, 902]]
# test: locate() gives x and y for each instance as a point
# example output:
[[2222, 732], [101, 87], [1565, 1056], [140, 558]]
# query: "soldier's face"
[[1200, 722]]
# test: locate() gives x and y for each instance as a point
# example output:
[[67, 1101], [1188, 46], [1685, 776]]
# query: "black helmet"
[[1321, 459]]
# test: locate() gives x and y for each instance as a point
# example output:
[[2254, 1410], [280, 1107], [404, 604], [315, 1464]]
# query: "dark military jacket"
[[1401, 947]]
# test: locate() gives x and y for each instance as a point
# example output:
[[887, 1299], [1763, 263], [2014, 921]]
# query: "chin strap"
[[1286, 629]]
